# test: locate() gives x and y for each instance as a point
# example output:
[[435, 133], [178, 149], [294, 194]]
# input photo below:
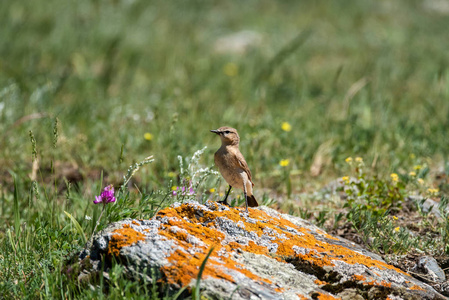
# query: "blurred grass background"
[[370, 80], [352, 78]]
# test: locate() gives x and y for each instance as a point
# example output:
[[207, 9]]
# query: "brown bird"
[[232, 165]]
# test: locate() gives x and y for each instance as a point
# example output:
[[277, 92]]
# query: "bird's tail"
[[252, 202]]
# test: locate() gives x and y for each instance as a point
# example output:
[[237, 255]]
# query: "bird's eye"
[[227, 132]]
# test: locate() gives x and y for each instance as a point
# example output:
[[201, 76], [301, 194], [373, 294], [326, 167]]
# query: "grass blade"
[[77, 226], [16, 209], [196, 292], [11, 241], [179, 292]]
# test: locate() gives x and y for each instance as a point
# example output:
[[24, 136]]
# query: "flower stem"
[[96, 224]]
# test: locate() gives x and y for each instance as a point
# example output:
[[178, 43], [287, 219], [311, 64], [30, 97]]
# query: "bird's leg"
[[226, 197], [246, 202], [246, 197]]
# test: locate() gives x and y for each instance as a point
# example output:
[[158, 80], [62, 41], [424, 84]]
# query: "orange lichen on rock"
[[358, 277], [364, 281], [287, 236], [122, 237], [320, 253], [252, 247], [185, 266], [417, 288], [320, 282], [322, 296], [262, 252], [375, 282]]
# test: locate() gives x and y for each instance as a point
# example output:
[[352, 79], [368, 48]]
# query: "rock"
[[350, 294], [238, 42], [428, 205], [260, 255], [431, 268], [431, 206]]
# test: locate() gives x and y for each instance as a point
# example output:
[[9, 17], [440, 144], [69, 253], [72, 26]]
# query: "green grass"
[[90, 78]]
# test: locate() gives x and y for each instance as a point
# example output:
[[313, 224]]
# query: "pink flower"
[[107, 196]]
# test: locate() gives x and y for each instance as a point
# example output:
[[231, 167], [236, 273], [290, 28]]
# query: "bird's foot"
[[224, 202]]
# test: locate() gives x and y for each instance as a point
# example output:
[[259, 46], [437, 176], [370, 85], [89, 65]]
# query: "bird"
[[232, 165]]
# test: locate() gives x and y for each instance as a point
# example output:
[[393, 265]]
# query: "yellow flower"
[[412, 156], [231, 69], [395, 218], [148, 136], [412, 174], [397, 229], [171, 174], [286, 126], [417, 167], [358, 159], [433, 192], [174, 188], [348, 160], [284, 162], [221, 194], [394, 177], [345, 179], [421, 181], [212, 190]]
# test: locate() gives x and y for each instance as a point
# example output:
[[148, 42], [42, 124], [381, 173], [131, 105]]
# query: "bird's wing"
[[242, 163]]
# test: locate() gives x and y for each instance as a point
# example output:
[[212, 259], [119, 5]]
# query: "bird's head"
[[228, 135]]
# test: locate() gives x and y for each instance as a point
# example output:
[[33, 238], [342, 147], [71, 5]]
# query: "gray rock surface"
[[428, 206], [260, 255], [430, 267]]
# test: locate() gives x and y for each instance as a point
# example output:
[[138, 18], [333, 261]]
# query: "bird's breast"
[[230, 169]]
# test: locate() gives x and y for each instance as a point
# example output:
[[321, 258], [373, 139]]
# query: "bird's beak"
[[215, 131]]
